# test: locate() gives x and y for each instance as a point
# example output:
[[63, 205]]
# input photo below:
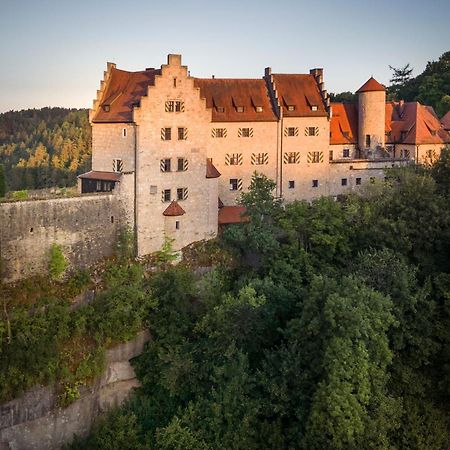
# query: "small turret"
[[371, 115]]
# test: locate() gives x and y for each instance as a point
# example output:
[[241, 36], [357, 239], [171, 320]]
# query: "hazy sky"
[[53, 53]]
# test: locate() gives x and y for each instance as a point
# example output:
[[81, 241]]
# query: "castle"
[[171, 154], [175, 147]]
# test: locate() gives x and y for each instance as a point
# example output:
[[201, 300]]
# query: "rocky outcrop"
[[35, 422]]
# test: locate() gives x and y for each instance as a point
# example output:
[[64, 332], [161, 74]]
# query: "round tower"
[[371, 115]]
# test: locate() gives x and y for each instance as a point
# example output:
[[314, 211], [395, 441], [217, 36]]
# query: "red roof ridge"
[[174, 209], [371, 85]]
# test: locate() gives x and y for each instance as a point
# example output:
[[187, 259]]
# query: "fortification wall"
[[35, 422], [85, 227]]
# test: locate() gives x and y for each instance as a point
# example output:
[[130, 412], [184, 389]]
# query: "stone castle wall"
[[85, 227]]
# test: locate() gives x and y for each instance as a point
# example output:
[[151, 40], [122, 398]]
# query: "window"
[[239, 109], [220, 109], [313, 108], [372, 180], [233, 159], [182, 165], [403, 135], [358, 181], [182, 134], [174, 106], [182, 193], [153, 189], [291, 108], [260, 158], [166, 195], [219, 133], [106, 108], [291, 184], [179, 106], [166, 134], [404, 153], [124, 132], [112, 219], [346, 153], [367, 140], [330, 155], [315, 157], [174, 82], [117, 165], [258, 109], [291, 158], [312, 131], [235, 184], [344, 182], [245, 132], [291, 131], [177, 224], [165, 165], [315, 183]]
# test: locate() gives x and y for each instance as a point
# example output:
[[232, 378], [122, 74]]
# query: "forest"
[[320, 326], [42, 148]]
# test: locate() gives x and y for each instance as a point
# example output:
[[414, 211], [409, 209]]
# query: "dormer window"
[[106, 108], [239, 109], [291, 107], [220, 109], [258, 109], [403, 135], [433, 132], [313, 108]]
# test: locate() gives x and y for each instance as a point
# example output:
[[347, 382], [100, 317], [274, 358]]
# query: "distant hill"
[[44, 147]]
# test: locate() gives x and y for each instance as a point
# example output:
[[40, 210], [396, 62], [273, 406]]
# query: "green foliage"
[[57, 263], [125, 244], [343, 97], [431, 87], [2, 181], [20, 195], [166, 255]]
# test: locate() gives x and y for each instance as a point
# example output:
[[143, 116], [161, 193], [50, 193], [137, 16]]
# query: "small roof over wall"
[[211, 171], [232, 214], [103, 176], [174, 209]]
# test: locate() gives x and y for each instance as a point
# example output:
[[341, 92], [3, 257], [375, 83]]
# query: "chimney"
[[267, 71], [149, 68], [213, 76], [174, 60]]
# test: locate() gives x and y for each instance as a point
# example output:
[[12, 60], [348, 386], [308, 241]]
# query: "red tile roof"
[[211, 171], [104, 176], [300, 91], [174, 209], [344, 123], [232, 214], [231, 94], [371, 85], [446, 121], [123, 91], [408, 123]]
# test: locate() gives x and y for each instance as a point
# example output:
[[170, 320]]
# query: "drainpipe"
[[135, 228], [280, 157]]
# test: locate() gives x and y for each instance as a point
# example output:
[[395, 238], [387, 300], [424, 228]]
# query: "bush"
[[58, 263]]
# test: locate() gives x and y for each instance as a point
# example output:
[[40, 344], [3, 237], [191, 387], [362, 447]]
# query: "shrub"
[[58, 263]]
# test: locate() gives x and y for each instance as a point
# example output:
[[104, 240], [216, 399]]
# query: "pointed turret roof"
[[174, 209], [371, 85]]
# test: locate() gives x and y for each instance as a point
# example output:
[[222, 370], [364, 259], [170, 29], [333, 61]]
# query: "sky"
[[53, 53]]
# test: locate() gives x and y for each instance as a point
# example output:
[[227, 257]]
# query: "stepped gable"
[[225, 96], [211, 171], [371, 85], [344, 123], [301, 92], [174, 209], [123, 91]]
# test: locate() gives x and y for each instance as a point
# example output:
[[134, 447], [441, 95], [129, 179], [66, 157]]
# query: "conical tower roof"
[[371, 85]]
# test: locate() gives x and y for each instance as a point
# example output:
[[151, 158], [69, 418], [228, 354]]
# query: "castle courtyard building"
[[174, 148]]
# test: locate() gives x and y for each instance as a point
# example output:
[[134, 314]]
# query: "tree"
[[400, 78], [343, 97], [2, 181]]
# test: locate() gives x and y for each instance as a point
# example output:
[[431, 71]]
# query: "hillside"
[[44, 147]]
